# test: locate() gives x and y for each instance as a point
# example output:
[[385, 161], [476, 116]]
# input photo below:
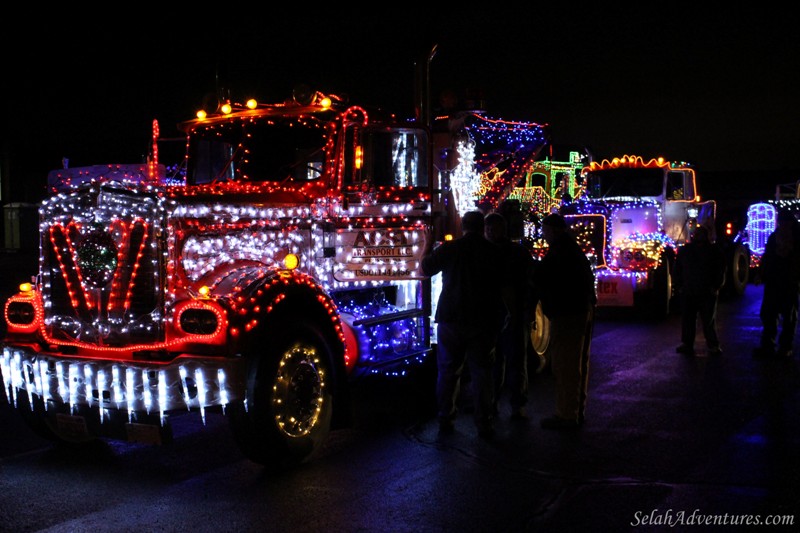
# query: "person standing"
[[511, 358], [699, 275], [780, 273], [469, 315], [564, 281]]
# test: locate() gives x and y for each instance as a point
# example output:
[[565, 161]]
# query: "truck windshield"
[[616, 182], [274, 150]]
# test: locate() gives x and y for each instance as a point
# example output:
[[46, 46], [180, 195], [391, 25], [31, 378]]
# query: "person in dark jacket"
[[780, 273], [699, 275], [469, 315], [511, 356], [564, 281]]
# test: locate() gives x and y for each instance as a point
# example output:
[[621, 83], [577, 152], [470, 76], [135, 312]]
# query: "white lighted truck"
[[282, 270], [631, 218]]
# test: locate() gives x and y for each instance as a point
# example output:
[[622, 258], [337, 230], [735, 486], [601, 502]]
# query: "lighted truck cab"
[[285, 267], [631, 218]]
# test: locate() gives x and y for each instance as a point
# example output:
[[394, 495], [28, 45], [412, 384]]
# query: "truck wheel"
[[289, 400], [540, 338], [738, 273]]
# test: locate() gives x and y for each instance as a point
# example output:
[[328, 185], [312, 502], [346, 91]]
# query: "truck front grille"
[[102, 272]]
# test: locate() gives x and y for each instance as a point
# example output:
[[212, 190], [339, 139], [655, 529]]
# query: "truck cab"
[[631, 218]]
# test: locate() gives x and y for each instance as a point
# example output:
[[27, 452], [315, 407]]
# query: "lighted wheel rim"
[[298, 391]]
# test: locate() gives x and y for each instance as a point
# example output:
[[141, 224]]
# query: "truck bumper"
[[187, 382], [616, 288]]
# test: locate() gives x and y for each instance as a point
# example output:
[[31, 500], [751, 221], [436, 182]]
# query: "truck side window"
[[675, 186], [538, 180], [396, 158]]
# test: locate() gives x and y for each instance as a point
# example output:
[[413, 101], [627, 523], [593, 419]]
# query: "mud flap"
[[151, 434], [72, 427]]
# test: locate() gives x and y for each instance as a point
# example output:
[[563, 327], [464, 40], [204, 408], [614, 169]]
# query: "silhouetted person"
[[699, 275], [780, 273], [469, 315], [564, 281], [511, 357]]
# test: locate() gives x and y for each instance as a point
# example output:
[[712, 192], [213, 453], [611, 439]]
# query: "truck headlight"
[[20, 313], [199, 321], [636, 259]]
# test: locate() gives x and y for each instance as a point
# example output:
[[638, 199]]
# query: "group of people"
[[491, 286], [699, 274]]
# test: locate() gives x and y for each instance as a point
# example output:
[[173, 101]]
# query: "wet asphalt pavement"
[[670, 444]]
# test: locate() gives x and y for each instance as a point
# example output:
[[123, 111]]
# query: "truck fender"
[[296, 378], [264, 300]]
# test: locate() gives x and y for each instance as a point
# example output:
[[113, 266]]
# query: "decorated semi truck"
[[548, 184], [280, 268], [762, 217], [631, 218]]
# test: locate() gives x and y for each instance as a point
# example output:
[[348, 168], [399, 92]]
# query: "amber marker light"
[[359, 157], [25, 287], [226, 108], [204, 291], [251, 104], [201, 114], [448, 237], [325, 102], [291, 261]]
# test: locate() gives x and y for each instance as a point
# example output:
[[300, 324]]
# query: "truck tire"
[[289, 397], [540, 339], [738, 273]]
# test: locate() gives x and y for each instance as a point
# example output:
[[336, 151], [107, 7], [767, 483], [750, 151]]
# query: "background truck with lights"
[[761, 219], [631, 218], [282, 267]]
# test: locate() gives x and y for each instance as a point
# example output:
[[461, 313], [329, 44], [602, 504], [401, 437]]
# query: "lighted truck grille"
[[102, 274]]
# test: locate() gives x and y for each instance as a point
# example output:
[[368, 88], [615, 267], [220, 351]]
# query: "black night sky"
[[715, 88]]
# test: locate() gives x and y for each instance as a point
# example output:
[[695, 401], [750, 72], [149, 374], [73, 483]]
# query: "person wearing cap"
[[780, 273], [699, 275], [469, 315], [564, 281]]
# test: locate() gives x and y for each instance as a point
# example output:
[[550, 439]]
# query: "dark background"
[[714, 87]]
